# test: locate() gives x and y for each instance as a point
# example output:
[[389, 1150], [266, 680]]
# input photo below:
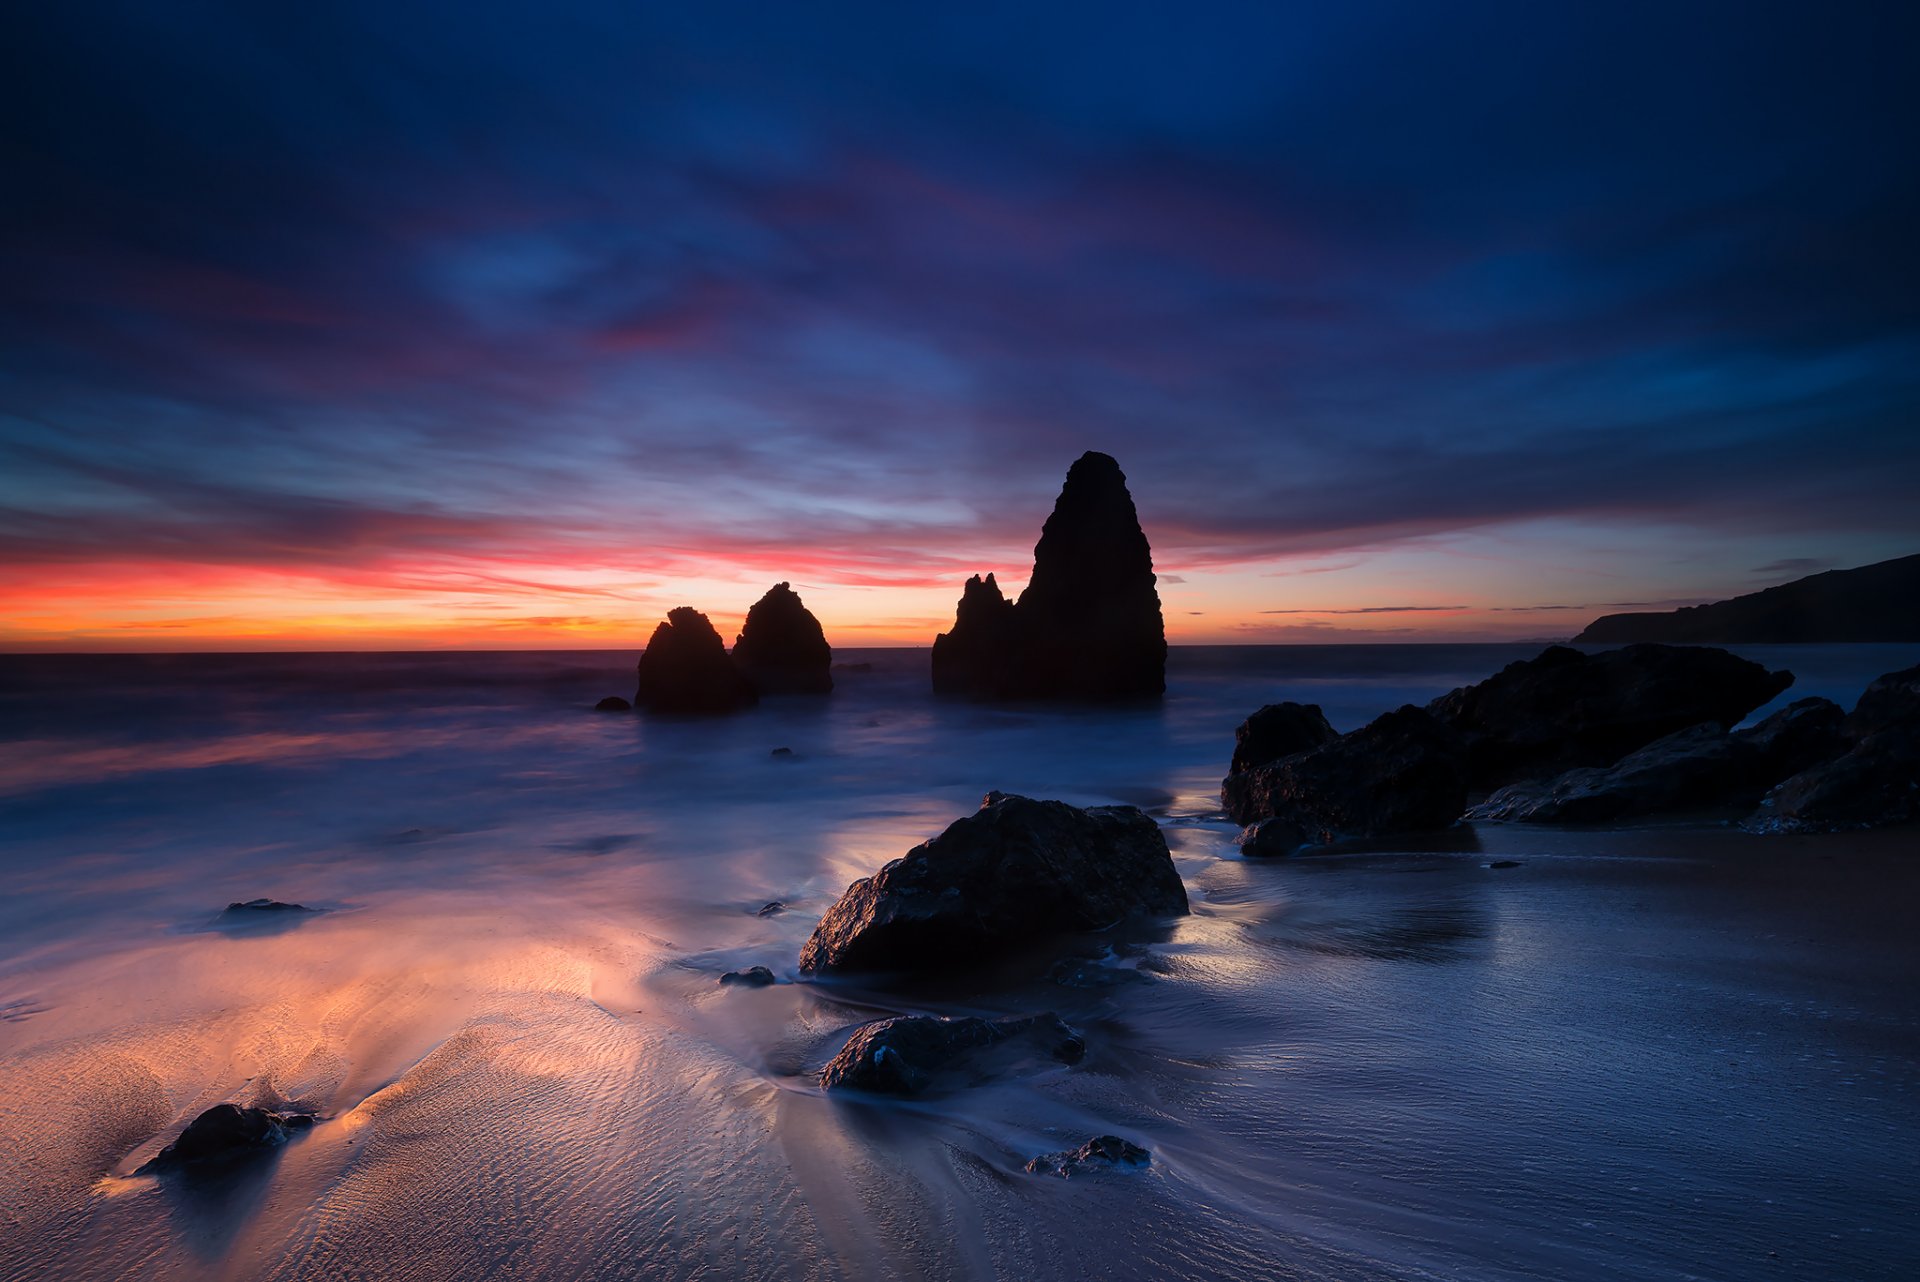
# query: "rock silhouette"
[[685, 669], [1539, 717], [226, 1133], [1278, 730], [1005, 876], [1698, 768], [1878, 602], [1403, 772], [909, 1053], [781, 648], [1088, 626], [1875, 783]]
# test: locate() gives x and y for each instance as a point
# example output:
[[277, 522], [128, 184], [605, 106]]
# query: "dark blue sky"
[[445, 323]]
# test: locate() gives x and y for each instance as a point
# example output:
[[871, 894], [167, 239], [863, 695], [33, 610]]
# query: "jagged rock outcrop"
[[1878, 602], [781, 648], [1088, 626], [1403, 772], [1700, 768], [227, 1133], [1875, 783], [976, 657], [1540, 717], [910, 1053], [685, 669], [1005, 876]]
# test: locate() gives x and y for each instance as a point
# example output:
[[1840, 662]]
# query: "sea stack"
[[781, 648], [685, 669], [1088, 626]]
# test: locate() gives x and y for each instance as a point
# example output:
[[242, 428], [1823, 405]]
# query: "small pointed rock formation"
[[685, 669], [1087, 627], [781, 647]]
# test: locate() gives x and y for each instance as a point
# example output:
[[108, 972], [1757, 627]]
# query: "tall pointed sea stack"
[[781, 647], [1088, 626], [685, 669]]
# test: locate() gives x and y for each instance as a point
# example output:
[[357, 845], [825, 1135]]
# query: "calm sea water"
[[1662, 1053]]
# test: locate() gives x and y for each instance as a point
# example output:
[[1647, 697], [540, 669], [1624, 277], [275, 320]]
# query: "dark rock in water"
[[249, 908], [853, 667], [1891, 700], [1104, 1152], [1697, 768], [977, 658], [1542, 716], [1401, 773], [786, 753], [227, 1132], [1012, 872], [613, 703], [1087, 627], [770, 909], [685, 669], [1875, 784], [1278, 730], [1274, 838], [781, 647], [752, 977], [1504, 863], [909, 1053]]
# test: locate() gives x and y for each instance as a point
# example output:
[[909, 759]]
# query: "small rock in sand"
[[1103, 1152], [752, 977]]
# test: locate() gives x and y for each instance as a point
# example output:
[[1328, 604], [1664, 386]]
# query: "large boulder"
[[1699, 768], [228, 1133], [1279, 730], [1893, 699], [909, 1053], [1014, 871], [1875, 783], [1401, 773], [1542, 716], [781, 648], [685, 669], [1088, 626]]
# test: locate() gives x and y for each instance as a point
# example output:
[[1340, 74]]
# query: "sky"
[[485, 325]]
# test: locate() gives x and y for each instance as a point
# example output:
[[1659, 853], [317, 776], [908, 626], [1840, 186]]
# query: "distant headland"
[[1879, 602]]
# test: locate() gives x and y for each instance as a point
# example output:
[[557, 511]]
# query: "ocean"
[[1660, 1052]]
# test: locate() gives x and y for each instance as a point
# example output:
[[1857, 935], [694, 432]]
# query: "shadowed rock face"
[[1402, 772], [1874, 784], [1278, 730], [225, 1133], [1542, 716], [1088, 626], [1101, 1153], [1698, 768], [781, 647], [907, 1054], [1015, 871], [685, 669]]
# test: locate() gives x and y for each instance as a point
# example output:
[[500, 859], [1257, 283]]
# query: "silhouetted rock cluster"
[[781, 647], [1088, 626], [1701, 768], [227, 1133], [1005, 876], [1562, 709], [1638, 727], [1872, 603], [1874, 783], [686, 669], [910, 1053]]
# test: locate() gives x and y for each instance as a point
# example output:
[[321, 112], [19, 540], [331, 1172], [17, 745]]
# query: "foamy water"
[[1665, 1053]]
